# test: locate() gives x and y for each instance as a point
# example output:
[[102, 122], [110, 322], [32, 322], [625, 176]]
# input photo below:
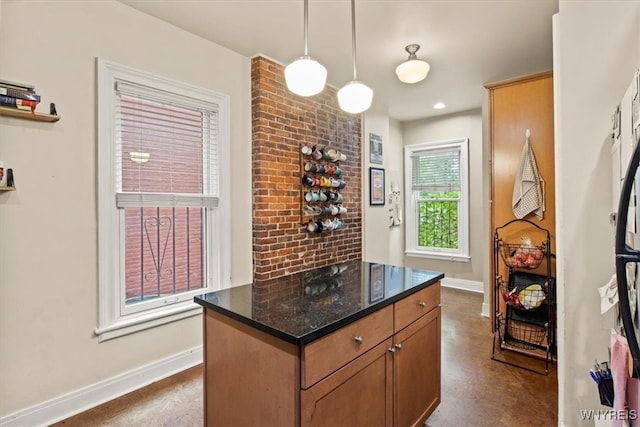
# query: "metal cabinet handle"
[[398, 346], [358, 339], [422, 304], [391, 349]]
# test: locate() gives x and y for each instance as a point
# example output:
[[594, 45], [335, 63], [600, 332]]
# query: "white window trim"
[[112, 319], [411, 232]]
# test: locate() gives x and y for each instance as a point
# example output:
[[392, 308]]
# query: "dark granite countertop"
[[303, 307]]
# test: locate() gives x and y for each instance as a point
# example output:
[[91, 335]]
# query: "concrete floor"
[[476, 391]]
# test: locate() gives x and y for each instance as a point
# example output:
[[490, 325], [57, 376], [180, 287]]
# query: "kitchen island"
[[352, 344]]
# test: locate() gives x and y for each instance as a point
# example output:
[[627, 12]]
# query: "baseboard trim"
[[485, 309], [67, 405], [465, 285]]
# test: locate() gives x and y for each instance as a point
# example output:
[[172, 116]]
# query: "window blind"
[[436, 170], [166, 151], [124, 200]]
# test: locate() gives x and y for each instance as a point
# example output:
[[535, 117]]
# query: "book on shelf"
[[19, 93], [16, 85], [22, 104]]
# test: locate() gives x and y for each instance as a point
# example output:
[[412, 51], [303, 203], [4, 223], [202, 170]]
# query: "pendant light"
[[305, 76], [413, 69], [354, 97]]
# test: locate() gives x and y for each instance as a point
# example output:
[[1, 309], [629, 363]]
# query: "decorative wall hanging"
[[376, 187], [375, 148], [321, 182]]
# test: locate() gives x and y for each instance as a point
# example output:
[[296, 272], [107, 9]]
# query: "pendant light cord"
[[306, 25], [353, 37]]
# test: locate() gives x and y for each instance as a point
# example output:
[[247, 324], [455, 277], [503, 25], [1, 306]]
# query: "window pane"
[[436, 170], [163, 251], [161, 147], [438, 224]]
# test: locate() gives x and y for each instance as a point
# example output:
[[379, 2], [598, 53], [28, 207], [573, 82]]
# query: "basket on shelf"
[[528, 297], [522, 255], [524, 335]]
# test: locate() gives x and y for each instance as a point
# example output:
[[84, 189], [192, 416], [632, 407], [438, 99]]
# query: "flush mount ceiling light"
[[413, 69], [354, 97], [305, 76]]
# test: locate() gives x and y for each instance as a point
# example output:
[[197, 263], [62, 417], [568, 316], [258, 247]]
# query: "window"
[[163, 217], [437, 200]]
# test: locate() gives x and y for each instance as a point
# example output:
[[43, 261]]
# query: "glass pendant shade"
[[305, 76], [413, 69], [355, 97]]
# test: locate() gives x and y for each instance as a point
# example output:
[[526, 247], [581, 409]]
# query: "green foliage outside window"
[[438, 219]]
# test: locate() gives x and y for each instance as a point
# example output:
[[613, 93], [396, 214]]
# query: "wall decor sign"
[[376, 282], [375, 148], [376, 186]]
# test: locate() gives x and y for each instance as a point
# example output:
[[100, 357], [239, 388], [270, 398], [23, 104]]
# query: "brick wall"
[[281, 124]]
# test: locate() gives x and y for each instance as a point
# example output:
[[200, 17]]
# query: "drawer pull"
[[422, 304], [398, 346], [358, 339], [391, 349]]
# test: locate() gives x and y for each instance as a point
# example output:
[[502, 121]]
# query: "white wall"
[[48, 227], [385, 244], [375, 218], [382, 242], [467, 124], [597, 51], [396, 175]]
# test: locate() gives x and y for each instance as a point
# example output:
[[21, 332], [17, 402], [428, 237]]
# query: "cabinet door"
[[359, 394], [417, 370], [515, 106]]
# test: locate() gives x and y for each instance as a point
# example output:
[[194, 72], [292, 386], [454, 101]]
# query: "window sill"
[[439, 256], [148, 320]]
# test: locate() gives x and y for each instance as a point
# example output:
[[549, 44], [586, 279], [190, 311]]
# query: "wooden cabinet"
[[417, 370], [515, 106], [359, 394], [409, 309], [329, 353], [380, 370], [400, 377], [251, 378]]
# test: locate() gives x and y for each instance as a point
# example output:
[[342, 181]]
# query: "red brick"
[[281, 124]]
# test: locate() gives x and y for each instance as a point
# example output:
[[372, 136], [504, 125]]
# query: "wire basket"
[[522, 256], [523, 335], [530, 297]]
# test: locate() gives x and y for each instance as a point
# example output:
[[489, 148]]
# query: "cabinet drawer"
[[415, 305], [327, 354]]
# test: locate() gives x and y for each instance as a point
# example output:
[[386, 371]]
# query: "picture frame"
[[376, 282], [376, 187], [375, 149]]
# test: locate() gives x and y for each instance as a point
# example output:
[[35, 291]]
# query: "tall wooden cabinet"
[[515, 106], [380, 370]]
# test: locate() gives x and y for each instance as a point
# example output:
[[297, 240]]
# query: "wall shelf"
[[7, 188], [27, 115]]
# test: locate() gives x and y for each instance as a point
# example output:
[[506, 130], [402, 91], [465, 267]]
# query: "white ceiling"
[[467, 42]]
